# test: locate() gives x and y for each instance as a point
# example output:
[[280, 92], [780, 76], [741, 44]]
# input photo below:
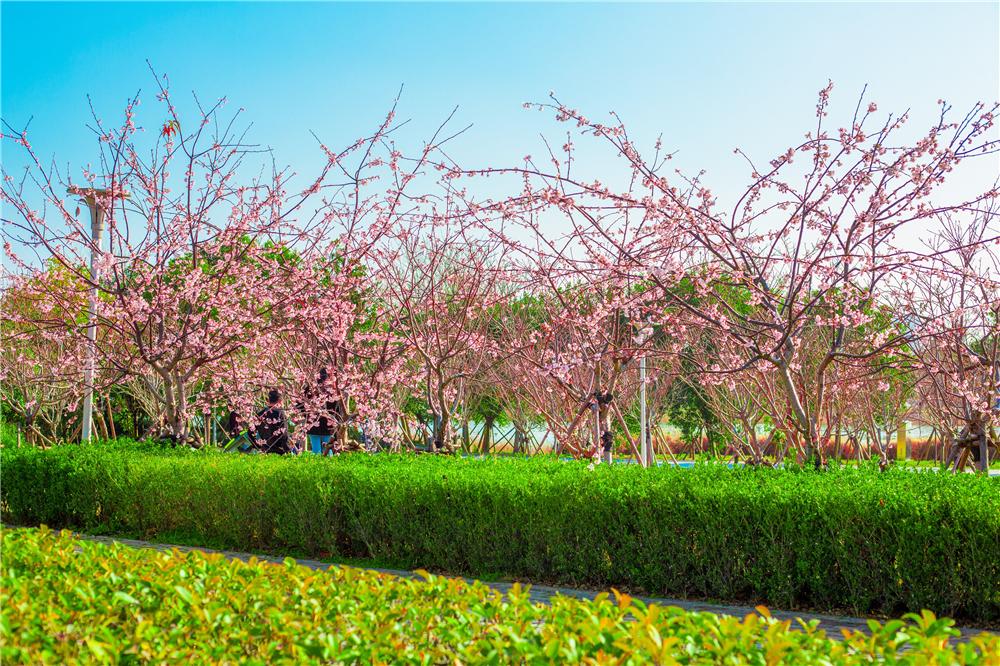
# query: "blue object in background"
[[316, 443]]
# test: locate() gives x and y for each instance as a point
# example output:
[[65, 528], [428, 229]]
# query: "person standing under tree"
[[607, 444], [272, 426], [319, 434]]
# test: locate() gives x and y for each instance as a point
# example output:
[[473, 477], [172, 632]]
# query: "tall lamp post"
[[95, 202]]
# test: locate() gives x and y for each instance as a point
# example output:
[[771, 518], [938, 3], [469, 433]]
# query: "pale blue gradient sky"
[[709, 76]]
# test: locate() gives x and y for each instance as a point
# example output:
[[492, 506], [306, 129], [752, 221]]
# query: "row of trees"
[[805, 315]]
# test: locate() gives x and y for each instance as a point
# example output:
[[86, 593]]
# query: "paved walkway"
[[541, 593]]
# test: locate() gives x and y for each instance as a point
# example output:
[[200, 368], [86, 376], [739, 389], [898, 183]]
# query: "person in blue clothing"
[[320, 432]]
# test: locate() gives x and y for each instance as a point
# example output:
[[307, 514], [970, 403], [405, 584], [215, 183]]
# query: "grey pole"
[[94, 200], [644, 446], [97, 232], [597, 432], [645, 454]]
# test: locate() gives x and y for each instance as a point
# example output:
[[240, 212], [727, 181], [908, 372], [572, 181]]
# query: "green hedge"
[[71, 601], [854, 540]]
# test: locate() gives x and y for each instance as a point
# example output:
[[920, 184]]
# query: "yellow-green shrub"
[[75, 601]]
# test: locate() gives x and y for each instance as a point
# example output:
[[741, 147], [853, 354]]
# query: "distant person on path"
[[272, 426]]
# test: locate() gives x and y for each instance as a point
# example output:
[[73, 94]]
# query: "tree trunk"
[[444, 431], [175, 397], [804, 424], [340, 436], [111, 420], [98, 419], [984, 453], [486, 440], [518, 437]]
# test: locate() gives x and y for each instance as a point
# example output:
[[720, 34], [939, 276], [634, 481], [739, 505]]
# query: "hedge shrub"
[[847, 540], [71, 601]]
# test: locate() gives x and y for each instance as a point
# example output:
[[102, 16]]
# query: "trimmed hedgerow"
[[71, 601], [854, 540]]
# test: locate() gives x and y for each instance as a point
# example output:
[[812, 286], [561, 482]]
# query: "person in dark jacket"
[[319, 434], [607, 444], [233, 425], [240, 439], [272, 426]]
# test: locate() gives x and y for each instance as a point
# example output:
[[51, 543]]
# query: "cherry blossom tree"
[[343, 365], [584, 316], [800, 259], [954, 304], [204, 270], [345, 331], [40, 367], [442, 284], [578, 360]]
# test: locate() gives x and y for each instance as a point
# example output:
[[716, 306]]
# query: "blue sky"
[[709, 76]]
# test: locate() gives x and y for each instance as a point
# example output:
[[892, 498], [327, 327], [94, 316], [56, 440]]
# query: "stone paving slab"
[[540, 593]]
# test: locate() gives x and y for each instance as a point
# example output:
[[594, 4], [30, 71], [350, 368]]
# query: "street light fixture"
[[95, 201]]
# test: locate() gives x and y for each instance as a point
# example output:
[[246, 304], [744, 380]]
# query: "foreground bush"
[[853, 540], [69, 600]]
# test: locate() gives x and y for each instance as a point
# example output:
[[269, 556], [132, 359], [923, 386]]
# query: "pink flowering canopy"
[[392, 290]]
